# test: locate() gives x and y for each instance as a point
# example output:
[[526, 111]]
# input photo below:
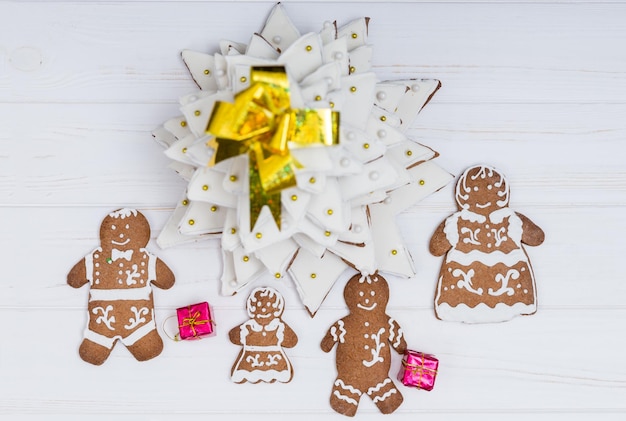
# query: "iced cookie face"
[[124, 229], [368, 294], [265, 304], [482, 189]]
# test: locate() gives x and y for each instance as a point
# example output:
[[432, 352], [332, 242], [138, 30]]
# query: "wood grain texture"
[[537, 89]]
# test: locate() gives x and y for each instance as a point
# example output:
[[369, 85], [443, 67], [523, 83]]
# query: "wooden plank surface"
[[537, 89]]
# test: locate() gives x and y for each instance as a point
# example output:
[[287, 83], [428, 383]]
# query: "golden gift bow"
[[262, 123], [192, 321], [419, 369]]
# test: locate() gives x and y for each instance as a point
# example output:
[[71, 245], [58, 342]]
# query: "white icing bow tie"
[[117, 254]]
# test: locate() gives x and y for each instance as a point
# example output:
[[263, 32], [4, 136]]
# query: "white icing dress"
[[262, 357], [486, 275]]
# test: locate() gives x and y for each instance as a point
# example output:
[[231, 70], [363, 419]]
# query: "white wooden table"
[[535, 89]]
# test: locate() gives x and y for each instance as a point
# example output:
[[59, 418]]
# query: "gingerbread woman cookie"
[[120, 272], [364, 338], [262, 358], [486, 275]]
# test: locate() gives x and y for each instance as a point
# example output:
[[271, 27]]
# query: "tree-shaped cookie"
[[486, 275], [120, 272], [364, 338], [262, 358]]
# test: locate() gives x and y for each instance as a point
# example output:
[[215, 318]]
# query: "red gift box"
[[418, 370], [194, 321]]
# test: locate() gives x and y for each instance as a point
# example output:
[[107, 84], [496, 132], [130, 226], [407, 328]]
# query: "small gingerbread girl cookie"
[[120, 272], [486, 275], [263, 337], [364, 338]]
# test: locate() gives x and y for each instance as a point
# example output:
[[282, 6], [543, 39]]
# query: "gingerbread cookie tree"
[[486, 275], [120, 272], [364, 338], [263, 337]]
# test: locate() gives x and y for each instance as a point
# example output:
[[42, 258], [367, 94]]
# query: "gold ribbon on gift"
[[419, 369], [262, 124], [192, 321]]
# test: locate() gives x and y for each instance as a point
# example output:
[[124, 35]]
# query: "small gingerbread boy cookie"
[[120, 272], [486, 275], [364, 339], [262, 358]]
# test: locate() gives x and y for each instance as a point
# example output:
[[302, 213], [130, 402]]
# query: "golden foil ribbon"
[[193, 321], [262, 124], [419, 369]]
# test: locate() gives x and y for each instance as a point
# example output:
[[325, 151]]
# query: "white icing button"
[[489, 245], [523, 269], [97, 264], [264, 333], [381, 96], [96, 255], [519, 285], [338, 55], [345, 162], [489, 187], [350, 135], [121, 265], [120, 272], [381, 133], [415, 87], [97, 281], [366, 336], [374, 175], [445, 288], [451, 286], [487, 226], [119, 281], [367, 324], [143, 263], [233, 283], [97, 273], [366, 347], [525, 291], [277, 39]]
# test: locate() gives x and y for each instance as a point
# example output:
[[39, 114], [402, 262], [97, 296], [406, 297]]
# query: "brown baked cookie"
[[262, 358], [364, 338], [486, 275], [120, 272]]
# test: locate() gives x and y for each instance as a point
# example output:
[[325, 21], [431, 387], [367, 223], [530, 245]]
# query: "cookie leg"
[[344, 398], [385, 395], [94, 353], [148, 346]]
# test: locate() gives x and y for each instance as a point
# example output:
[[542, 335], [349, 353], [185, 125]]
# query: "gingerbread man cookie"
[[486, 275], [120, 272], [364, 338], [263, 337]]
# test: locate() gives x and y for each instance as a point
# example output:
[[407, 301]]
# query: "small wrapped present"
[[418, 370], [194, 321]]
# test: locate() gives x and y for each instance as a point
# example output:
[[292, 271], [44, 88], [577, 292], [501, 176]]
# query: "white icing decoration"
[[466, 282], [117, 254], [104, 318], [473, 236], [504, 280], [462, 193], [482, 313], [130, 276], [376, 358], [490, 259], [399, 335], [344, 386], [378, 386], [133, 322], [345, 398], [123, 213], [499, 235], [385, 396]]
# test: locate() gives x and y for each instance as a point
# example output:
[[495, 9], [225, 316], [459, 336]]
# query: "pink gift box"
[[194, 321], [418, 370]]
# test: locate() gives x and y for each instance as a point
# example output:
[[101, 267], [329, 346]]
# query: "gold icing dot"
[[318, 97], [196, 113], [352, 69], [259, 235], [277, 275], [383, 118], [313, 276], [184, 150], [394, 252], [233, 178], [205, 187], [422, 182], [308, 48], [409, 153], [312, 180], [294, 197], [185, 202], [366, 146], [331, 104], [243, 79], [183, 123], [191, 222], [233, 230], [329, 211], [327, 233], [207, 72], [213, 208], [354, 36], [352, 88], [245, 258]]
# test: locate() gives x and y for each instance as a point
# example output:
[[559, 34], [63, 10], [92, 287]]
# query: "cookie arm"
[[235, 336], [439, 243], [78, 275], [396, 336], [290, 338], [531, 233], [330, 338], [164, 275]]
